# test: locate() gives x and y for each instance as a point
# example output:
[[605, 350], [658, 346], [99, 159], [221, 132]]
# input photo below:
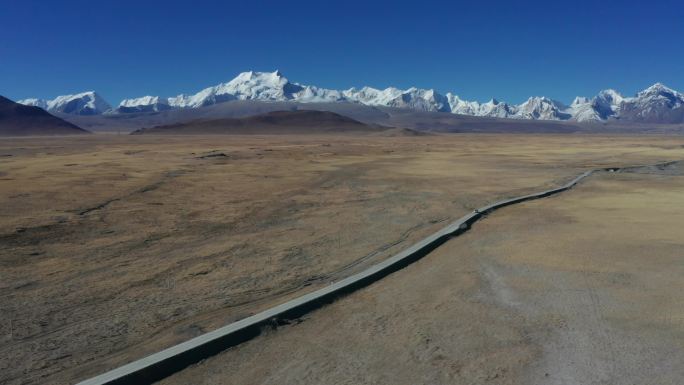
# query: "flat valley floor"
[[117, 247]]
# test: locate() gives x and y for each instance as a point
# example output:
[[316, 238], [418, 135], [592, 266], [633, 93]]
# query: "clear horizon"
[[499, 50]]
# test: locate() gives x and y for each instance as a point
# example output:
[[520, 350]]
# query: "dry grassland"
[[581, 288], [116, 247]]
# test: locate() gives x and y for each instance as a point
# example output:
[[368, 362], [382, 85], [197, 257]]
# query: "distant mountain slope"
[[232, 109], [20, 120], [656, 104], [276, 122], [384, 116], [85, 103]]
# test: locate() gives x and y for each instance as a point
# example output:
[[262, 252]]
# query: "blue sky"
[[504, 49]]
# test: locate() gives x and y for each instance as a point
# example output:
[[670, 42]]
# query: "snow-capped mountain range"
[[657, 103], [85, 103]]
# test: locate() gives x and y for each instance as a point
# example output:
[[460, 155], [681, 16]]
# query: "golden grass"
[[115, 247]]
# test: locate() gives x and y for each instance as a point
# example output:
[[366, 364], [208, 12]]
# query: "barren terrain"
[[114, 247], [582, 288]]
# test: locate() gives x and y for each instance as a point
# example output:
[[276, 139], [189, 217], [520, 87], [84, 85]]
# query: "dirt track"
[[114, 248]]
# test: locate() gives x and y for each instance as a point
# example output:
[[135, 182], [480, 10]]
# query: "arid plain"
[[114, 247], [581, 288]]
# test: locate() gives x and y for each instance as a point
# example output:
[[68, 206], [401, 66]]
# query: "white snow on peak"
[[584, 109], [267, 86], [260, 86], [142, 101], [143, 104], [42, 103], [497, 109], [656, 89], [462, 107], [313, 94], [610, 97], [541, 108], [84, 103], [657, 94], [655, 101], [373, 96], [273, 86], [579, 100], [414, 98]]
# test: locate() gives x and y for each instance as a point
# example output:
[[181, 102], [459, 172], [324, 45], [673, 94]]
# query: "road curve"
[[168, 361]]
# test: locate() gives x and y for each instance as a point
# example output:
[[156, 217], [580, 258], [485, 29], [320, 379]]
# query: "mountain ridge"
[[21, 120], [84, 103], [273, 122], [655, 104]]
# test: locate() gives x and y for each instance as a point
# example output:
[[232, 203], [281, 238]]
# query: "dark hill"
[[19, 120], [276, 122]]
